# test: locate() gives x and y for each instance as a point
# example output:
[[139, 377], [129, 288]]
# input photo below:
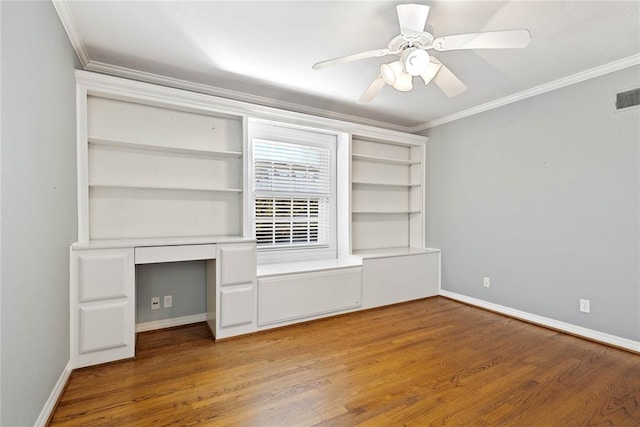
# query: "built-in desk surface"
[[159, 241]]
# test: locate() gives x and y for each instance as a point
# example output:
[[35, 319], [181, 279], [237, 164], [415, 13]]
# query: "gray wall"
[[542, 196], [38, 213], [185, 281]]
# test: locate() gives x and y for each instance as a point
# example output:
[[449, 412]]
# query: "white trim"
[[130, 73], [0, 221], [538, 90], [66, 17], [545, 321], [170, 323], [133, 74], [51, 402], [196, 97]]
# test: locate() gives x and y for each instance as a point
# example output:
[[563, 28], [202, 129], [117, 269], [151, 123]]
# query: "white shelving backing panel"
[[160, 170], [379, 230], [386, 195], [371, 198]]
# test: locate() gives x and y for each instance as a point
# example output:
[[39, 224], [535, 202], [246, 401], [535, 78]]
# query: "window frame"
[[279, 132]]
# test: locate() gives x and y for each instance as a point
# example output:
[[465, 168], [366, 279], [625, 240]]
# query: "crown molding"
[[538, 90], [62, 8]]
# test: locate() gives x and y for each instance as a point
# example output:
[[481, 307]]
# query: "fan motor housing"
[[402, 42]]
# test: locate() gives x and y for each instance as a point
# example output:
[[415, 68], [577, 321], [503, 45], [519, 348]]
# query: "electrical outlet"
[[168, 301], [486, 282], [155, 303], [585, 306]]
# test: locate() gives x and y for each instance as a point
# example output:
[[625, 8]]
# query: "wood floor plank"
[[426, 362]]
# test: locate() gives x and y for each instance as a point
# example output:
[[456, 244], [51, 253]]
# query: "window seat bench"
[[278, 269]]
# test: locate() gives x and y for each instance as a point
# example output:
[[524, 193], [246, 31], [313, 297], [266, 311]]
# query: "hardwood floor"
[[427, 362]]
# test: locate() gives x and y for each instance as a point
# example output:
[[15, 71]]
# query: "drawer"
[[153, 254]]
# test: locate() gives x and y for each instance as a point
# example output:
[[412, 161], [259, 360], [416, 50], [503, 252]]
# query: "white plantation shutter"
[[291, 194]]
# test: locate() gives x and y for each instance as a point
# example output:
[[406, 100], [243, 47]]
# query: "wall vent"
[[628, 98]]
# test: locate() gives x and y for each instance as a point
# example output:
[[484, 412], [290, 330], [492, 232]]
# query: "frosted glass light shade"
[[403, 82], [430, 73], [416, 62], [387, 74], [397, 67]]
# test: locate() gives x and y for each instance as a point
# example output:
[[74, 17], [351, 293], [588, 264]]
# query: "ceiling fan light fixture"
[[387, 74], [416, 61], [430, 72], [397, 67], [403, 82]]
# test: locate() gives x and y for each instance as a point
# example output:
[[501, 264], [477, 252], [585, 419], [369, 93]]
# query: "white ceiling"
[[263, 50]]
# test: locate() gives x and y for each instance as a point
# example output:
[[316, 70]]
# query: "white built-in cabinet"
[[387, 221], [162, 177], [233, 294], [102, 313], [102, 291]]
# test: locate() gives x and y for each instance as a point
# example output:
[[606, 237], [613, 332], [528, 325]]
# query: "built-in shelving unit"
[[162, 177], [386, 195], [156, 170]]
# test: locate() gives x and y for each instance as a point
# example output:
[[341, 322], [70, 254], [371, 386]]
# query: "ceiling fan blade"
[[373, 90], [351, 58], [512, 39], [447, 81], [430, 72], [412, 18]]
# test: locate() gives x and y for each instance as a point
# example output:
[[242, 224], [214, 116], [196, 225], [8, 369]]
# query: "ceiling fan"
[[411, 47]]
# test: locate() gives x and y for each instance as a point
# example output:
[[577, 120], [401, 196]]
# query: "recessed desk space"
[[103, 289]]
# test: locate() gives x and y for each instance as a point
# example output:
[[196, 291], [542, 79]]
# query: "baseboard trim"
[[590, 334], [170, 323], [52, 401]]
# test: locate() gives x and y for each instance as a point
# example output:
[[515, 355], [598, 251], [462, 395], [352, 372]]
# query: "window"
[[293, 192]]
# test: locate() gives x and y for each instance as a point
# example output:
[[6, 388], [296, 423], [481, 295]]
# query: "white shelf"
[[162, 148], [393, 252], [384, 184], [385, 212], [379, 159], [166, 187]]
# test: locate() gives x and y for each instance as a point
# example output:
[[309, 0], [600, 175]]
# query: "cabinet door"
[[237, 264], [236, 305], [102, 306], [235, 290], [383, 285]]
